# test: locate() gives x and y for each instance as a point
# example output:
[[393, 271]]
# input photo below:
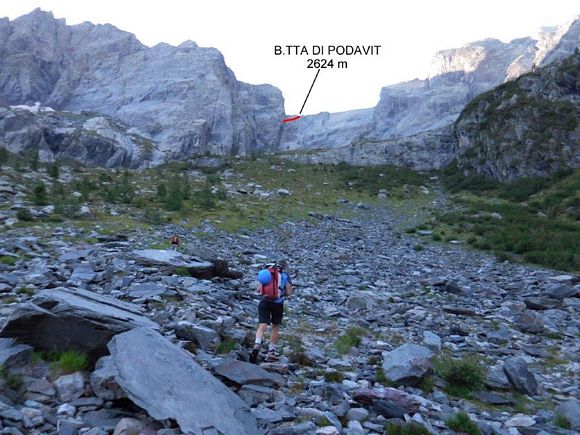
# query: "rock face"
[[62, 319], [168, 384], [185, 98], [527, 127], [456, 77], [423, 151], [89, 138]]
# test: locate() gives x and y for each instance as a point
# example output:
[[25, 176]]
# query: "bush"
[[72, 361], [24, 214], [406, 429], [334, 377], [463, 374], [39, 194], [152, 216], [4, 155], [34, 160], [352, 338], [226, 346], [182, 271], [300, 358], [53, 170], [461, 423], [561, 421], [174, 197], [25, 291], [418, 248], [85, 186], [204, 197]]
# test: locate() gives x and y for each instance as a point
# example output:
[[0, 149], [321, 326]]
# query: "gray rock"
[[172, 260], [12, 354], [103, 380], [560, 291], [407, 364], [359, 302], [571, 410], [519, 376], [388, 409], [184, 98], [84, 273], [63, 319], [432, 341], [255, 394], [167, 383], [358, 414], [204, 337], [245, 373], [146, 290], [42, 386], [70, 387], [530, 321]]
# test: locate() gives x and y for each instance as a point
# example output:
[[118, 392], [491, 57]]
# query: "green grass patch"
[[226, 346], [334, 377], [8, 260], [70, 361], [406, 429], [352, 338], [461, 423], [562, 422], [464, 375], [540, 219]]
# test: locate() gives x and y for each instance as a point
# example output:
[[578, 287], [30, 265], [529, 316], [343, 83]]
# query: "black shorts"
[[270, 312]]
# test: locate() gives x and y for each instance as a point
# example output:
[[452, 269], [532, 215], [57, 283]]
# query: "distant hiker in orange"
[[175, 242]]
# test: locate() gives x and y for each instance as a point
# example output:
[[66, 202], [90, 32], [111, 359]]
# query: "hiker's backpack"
[[271, 291]]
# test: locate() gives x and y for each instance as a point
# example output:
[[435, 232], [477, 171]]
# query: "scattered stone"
[[70, 387]]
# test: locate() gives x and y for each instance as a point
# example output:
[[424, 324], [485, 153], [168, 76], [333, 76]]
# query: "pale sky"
[[409, 31]]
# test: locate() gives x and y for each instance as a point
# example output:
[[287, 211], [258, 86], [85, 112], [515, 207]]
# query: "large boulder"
[[62, 319], [169, 384], [407, 364], [519, 376], [571, 411]]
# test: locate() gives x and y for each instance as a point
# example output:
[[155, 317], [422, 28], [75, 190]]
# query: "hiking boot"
[[254, 355], [273, 356]]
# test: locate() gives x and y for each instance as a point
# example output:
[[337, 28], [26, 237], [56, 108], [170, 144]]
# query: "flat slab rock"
[[166, 382], [62, 319], [164, 257], [244, 373]]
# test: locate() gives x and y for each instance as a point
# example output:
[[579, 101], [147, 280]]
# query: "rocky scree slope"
[[184, 98], [409, 307], [527, 127]]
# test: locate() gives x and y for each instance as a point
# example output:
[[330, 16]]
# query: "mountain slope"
[[457, 76], [527, 127], [185, 98]]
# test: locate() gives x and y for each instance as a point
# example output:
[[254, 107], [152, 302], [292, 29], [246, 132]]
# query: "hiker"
[[274, 284], [174, 242]]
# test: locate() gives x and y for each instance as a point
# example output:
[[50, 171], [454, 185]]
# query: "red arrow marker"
[[291, 119]]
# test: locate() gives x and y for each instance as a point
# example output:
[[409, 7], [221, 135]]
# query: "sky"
[[409, 33]]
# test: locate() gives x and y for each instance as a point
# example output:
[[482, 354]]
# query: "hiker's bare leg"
[[275, 332], [260, 332]]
